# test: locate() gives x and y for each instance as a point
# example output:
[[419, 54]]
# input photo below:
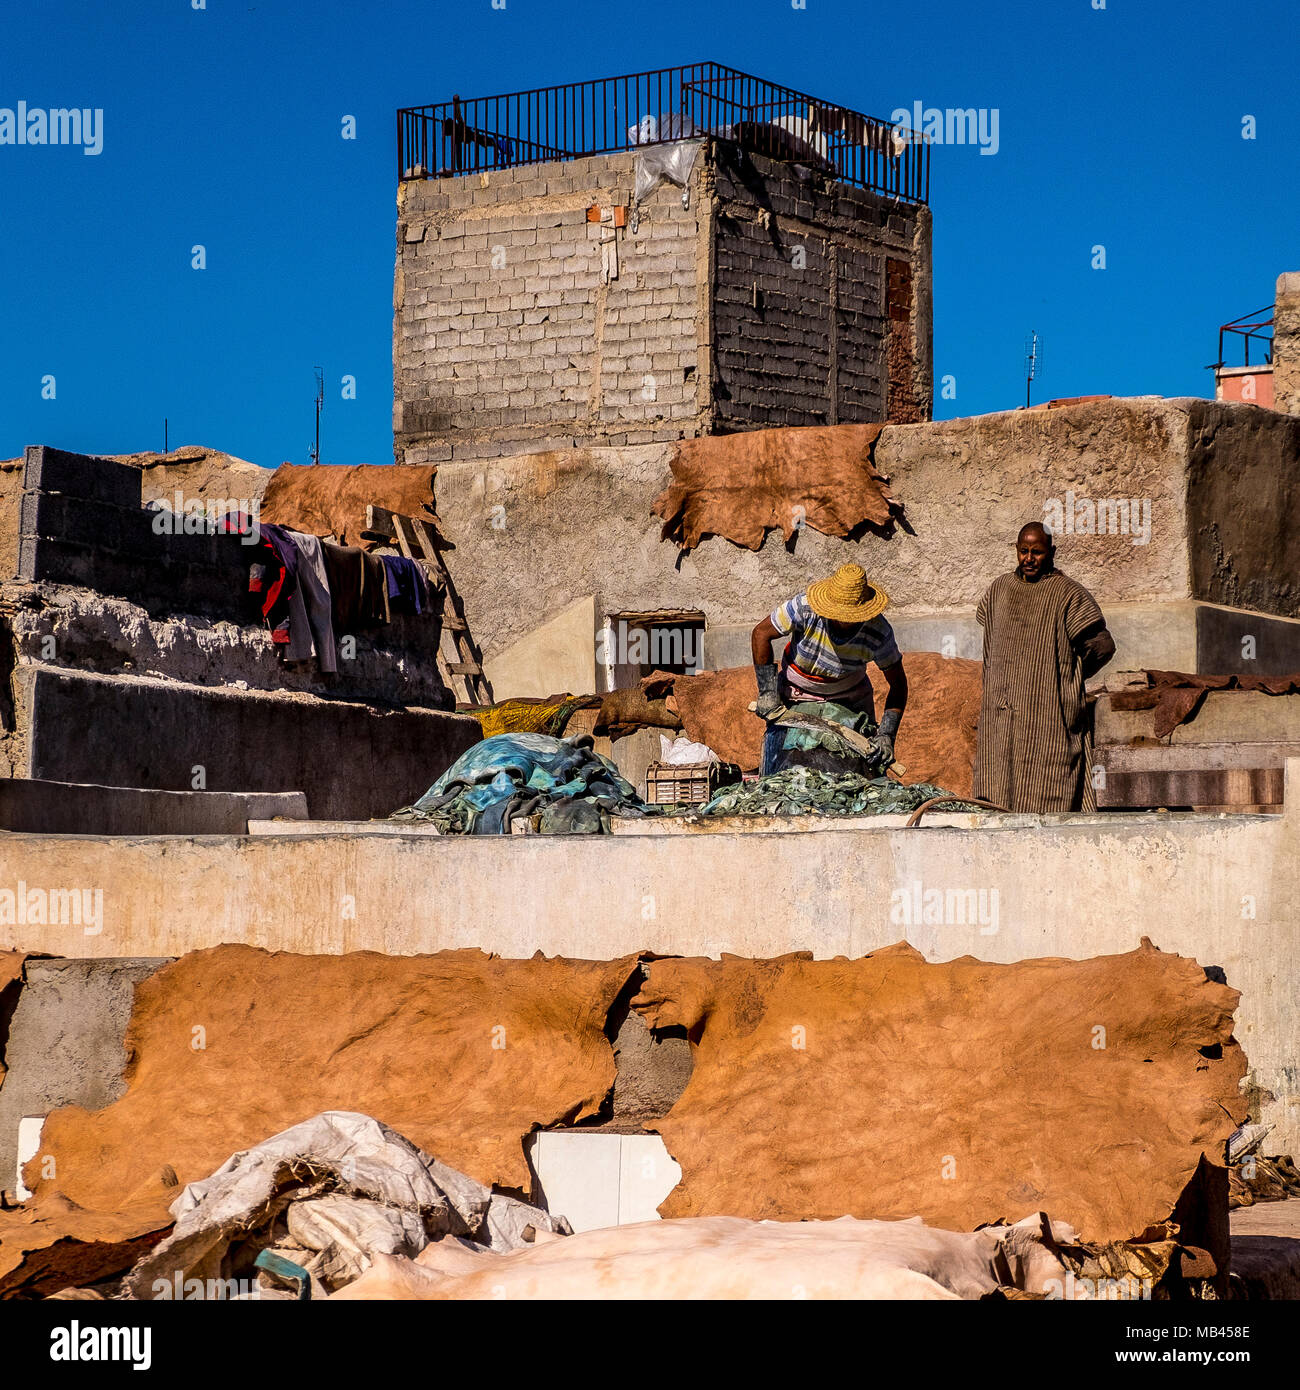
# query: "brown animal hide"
[[1177, 696], [714, 707], [743, 485], [330, 499], [623, 712], [56, 1245], [461, 1052], [964, 1092], [936, 740], [11, 974]]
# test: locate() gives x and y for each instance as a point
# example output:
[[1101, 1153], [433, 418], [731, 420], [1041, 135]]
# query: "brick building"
[[556, 286]]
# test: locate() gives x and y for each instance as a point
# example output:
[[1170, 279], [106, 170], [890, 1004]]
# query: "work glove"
[[882, 741], [769, 703]]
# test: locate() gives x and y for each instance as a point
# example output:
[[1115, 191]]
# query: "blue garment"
[[522, 774], [408, 589]]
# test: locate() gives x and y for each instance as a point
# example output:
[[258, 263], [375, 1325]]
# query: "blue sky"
[[1119, 127]]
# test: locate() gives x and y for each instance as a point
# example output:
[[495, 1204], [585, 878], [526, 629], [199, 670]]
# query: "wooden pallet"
[[459, 661]]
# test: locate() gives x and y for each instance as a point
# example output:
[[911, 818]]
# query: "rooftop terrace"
[[609, 114]]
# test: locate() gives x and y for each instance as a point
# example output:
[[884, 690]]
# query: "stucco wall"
[[349, 759], [1243, 497], [1223, 890], [535, 532]]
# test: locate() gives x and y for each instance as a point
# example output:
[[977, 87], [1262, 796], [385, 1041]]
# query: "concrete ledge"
[[350, 760], [84, 808]]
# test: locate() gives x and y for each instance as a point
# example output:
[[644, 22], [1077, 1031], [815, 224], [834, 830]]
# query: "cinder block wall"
[[505, 331], [821, 299], [767, 295], [99, 589]]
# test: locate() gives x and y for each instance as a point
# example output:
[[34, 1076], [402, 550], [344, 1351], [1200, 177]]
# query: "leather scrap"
[[1177, 696], [740, 486], [936, 741], [330, 499]]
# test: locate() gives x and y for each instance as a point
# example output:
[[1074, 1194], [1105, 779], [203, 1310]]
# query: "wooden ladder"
[[459, 661]]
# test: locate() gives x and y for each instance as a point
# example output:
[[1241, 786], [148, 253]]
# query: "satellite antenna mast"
[[1033, 362], [320, 402]]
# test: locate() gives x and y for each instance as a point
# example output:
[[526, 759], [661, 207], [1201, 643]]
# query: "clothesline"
[[312, 591]]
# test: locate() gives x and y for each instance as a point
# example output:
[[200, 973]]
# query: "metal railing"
[[611, 114], [1251, 328]]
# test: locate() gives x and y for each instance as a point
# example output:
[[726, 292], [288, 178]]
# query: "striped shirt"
[[823, 655]]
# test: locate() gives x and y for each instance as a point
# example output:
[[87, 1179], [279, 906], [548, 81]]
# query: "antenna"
[[320, 405], [1033, 361]]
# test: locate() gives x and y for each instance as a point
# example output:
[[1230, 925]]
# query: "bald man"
[[1044, 635]]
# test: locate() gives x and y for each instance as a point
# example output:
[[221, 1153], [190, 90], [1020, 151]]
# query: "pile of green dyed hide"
[[568, 786], [806, 791]]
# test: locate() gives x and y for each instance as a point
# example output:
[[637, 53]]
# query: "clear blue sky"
[[1120, 127]]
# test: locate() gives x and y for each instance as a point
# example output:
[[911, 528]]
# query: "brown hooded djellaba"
[[1035, 737]]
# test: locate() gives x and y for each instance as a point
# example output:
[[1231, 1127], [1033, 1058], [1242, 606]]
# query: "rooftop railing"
[[611, 114]]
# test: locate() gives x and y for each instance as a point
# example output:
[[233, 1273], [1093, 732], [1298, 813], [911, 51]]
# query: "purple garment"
[[408, 589], [281, 541]]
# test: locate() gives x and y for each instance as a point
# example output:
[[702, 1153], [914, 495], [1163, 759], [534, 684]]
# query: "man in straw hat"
[[1043, 637], [834, 630]]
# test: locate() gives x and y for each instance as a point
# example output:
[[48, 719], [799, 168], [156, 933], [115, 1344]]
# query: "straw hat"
[[848, 596]]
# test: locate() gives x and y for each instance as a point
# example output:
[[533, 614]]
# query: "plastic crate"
[[686, 784]]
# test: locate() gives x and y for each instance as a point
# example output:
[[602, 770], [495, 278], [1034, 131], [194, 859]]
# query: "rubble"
[[330, 1194]]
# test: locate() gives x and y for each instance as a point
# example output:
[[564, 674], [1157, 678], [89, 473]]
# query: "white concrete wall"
[[1220, 889]]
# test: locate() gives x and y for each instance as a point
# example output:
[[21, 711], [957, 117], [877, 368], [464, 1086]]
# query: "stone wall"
[[762, 294], [1286, 344]]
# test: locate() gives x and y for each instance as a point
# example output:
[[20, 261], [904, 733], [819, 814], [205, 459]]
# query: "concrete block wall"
[[98, 588], [81, 522], [509, 333], [505, 328], [818, 313]]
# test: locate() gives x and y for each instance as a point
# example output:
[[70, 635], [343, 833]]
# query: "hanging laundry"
[[408, 589], [273, 571], [374, 590], [310, 610], [345, 569]]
